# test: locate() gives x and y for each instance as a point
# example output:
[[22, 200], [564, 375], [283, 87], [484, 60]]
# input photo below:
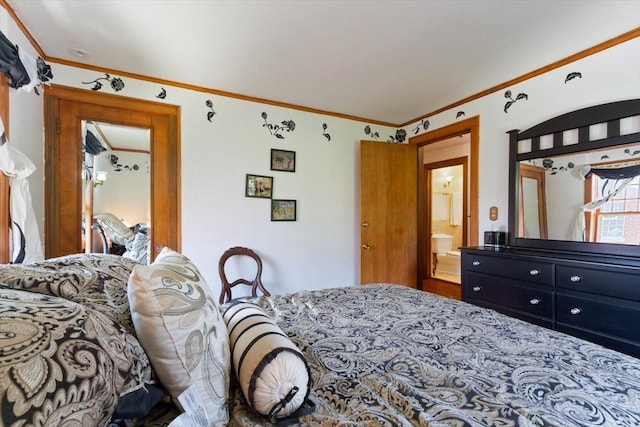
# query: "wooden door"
[[65, 108], [388, 213]]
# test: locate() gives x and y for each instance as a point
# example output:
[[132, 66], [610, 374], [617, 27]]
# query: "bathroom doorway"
[[446, 220], [446, 216]]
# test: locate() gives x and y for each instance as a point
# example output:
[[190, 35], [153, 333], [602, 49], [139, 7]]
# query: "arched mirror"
[[575, 181], [116, 202], [70, 173]]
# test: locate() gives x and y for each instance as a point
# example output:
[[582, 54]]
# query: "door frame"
[[65, 108], [4, 180], [471, 126], [428, 187]]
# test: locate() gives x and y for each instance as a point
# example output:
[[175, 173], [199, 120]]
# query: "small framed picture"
[[282, 160], [283, 210], [259, 186]]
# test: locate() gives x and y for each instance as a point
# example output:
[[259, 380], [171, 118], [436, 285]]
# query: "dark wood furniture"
[[586, 289], [256, 283], [595, 297]]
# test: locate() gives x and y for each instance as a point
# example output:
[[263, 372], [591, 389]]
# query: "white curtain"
[[25, 245], [579, 229]]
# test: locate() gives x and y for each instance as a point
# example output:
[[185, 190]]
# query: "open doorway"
[[448, 206], [446, 210]]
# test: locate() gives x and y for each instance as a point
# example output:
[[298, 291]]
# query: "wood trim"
[[23, 28], [471, 126], [64, 110], [4, 180], [427, 218], [218, 92], [538, 174], [622, 38]]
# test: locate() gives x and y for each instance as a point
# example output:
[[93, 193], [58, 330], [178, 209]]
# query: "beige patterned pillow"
[[115, 229], [180, 327]]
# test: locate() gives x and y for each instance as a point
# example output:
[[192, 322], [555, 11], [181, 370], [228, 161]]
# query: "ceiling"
[[383, 60], [118, 137]]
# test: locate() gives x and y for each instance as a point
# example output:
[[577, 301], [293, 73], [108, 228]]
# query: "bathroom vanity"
[[572, 260]]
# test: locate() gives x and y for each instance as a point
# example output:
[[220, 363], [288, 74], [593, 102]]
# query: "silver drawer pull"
[[476, 288], [535, 301], [534, 272], [575, 278], [476, 263], [575, 311]]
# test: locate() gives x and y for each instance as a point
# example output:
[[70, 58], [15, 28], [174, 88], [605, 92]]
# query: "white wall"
[[26, 121], [611, 75], [320, 249], [126, 192]]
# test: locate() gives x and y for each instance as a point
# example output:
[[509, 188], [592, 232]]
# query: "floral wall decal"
[[324, 132], [423, 124], [117, 84], [210, 114], [511, 101], [460, 114], [44, 74], [371, 133], [119, 167], [572, 76], [400, 136], [547, 164], [162, 94], [276, 129]]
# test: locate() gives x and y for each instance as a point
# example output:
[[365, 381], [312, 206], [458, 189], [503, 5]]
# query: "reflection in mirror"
[[116, 190], [591, 196], [533, 211]]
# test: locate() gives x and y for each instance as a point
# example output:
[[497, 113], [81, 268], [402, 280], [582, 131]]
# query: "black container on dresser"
[[595, 297]]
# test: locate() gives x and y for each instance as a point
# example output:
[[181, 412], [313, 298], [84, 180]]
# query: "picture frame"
[[259, 186], [283, 160], [283, 210]]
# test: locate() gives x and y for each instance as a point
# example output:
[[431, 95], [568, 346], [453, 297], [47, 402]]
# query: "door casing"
[[65, 108], [471, 126]]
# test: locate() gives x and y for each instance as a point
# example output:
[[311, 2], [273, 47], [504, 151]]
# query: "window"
[[618, 220]]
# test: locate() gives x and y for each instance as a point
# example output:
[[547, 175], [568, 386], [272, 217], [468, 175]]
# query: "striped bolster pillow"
[[272, 372]]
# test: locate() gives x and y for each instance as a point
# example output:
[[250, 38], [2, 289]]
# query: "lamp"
[[99, 178], [447, 181]]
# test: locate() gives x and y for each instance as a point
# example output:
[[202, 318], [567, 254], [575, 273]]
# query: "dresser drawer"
[[608, 316], [611, 281], [536, 301], [532, 270]]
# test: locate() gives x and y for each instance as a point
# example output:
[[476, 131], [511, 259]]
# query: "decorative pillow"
[[60, 363], [138, 248], [179, 325], [114, 228], [97, 281], [272, 372]]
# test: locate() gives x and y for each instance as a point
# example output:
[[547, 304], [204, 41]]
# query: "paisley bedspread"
[[386, 355]]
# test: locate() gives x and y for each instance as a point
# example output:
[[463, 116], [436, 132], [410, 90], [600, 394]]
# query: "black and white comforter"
[[384, 355]]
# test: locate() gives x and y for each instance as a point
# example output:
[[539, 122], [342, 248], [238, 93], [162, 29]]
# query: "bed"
[[378, 355]]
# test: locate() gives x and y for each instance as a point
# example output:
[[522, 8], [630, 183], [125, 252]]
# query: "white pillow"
[[272, 372], [114, 228], [180, 327]]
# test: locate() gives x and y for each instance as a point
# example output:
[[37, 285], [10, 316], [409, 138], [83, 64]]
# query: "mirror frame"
[[609, 113], [65, 108]]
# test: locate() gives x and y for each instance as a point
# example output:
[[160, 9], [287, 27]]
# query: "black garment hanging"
[[10, 63]]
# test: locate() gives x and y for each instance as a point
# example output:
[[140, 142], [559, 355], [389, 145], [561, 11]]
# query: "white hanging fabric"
[[25, 245], [579, 228]]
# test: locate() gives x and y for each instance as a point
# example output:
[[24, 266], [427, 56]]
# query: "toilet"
[[447, 260]]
